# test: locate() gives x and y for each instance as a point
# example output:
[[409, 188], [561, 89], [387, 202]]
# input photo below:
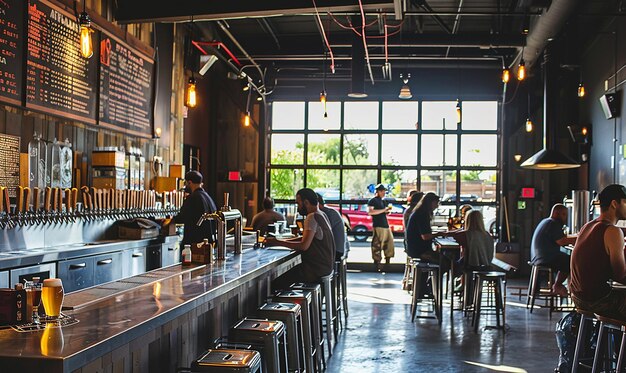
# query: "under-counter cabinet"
[[108, 267], [76, 274], [133, 262], [43, 271], [4, 279]]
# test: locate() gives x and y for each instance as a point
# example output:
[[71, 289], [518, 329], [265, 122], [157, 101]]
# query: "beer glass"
[[34, 290], [52, 297]]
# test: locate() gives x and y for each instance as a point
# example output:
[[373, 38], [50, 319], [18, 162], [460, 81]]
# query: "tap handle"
[[59, 206], [86, 196], [68, 199], [1, 199], [26, 199], [36, 199], [19, 200], [7, 201], [74, 198], [46, 199]]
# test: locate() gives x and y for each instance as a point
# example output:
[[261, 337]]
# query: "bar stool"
[[496, 286], [328, 300], [585, 328], [290, 314], [605, 351], [420, 268], [535, 291], [316, 316], [228, 361], [313, 359], [269, 335], [341, 269]]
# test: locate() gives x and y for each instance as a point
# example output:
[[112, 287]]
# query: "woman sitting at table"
[[476, 242], [419, 234]]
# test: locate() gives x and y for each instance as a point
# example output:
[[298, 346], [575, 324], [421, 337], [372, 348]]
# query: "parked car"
[[360, 223], [464, 198]]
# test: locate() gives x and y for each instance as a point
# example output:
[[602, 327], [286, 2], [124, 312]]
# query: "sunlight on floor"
[[498, 368]]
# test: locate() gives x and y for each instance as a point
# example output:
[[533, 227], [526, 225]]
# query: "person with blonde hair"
[[476, 242]]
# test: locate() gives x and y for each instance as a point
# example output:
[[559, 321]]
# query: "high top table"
[[156, 327]]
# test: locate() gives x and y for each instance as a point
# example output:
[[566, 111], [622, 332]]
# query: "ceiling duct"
[[549, 158], [357, 85]]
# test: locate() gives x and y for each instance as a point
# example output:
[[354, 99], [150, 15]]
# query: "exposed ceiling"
[[289, 35]]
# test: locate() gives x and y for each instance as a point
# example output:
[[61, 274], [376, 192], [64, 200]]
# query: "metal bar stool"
[[316, 317], [341, 269], [585, 328], [535, 291], [269, 335], [313, 359], [328, 300], [228, 361], [432, 271], [605, 349], [290, 314], [496, 286]]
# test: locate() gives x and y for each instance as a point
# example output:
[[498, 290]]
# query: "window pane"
[[284, 183], [433, 150], [402, 181], [324, 149], [288, 115], [361, 115], [399, 150], [287, 149], [479, 150], [434, 113], [316, 116], [325, 182], [400, 115], [288, 210], [480, 115], [356, 182], [442, 183], [360, 149], [478, 186]]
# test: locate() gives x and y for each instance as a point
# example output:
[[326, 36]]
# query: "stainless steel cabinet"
[[153, 261], [4, 279], [43, 271], [133, 262], [76, 274], [108, 267], [170, 254]]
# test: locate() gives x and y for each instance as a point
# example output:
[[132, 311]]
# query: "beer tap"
[[68, 203], [19, 205], [59, 206], [74, 199], [28, 218], [87, 203], [46, 204], [36, 204], [3, 223], [53, 205]]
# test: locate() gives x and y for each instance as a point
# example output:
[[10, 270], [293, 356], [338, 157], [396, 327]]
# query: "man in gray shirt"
[[336, 224], [266, 217]]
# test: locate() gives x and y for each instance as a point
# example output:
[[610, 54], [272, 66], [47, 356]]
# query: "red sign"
[[528, 193], [234, 176]]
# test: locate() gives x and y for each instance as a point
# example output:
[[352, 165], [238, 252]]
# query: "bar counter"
[[157, 327]]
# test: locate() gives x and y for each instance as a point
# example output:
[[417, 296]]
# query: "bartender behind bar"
[[196, 204]]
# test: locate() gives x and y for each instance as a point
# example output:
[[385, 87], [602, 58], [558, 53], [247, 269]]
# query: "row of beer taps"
[[62, 206]]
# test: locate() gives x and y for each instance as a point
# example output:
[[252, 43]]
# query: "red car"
[[359, 223]]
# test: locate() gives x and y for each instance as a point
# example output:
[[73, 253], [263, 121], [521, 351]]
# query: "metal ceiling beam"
[[424, 5], [137, 11]]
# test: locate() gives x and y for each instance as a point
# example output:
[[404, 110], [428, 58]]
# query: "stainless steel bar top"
[[109, 324]]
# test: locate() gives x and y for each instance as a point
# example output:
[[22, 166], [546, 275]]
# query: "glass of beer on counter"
[[52, 297], [34, 292]]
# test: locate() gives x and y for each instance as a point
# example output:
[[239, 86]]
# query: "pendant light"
[[191, 99], [581, 90], [246, 119], [458, 111], [521, 70], [405, 91], [84, 23], [529, 123], [506, 75]]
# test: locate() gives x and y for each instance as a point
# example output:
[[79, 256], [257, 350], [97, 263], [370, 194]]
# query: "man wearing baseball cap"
[[195, 205], [598, 258], [382, 240]]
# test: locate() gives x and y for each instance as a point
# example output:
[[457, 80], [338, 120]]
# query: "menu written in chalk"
[[9, 161], [125, 87], [11, 50], [58, 79]]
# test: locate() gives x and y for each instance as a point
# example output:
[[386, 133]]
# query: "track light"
[[191, 98], [521, 70], [86, 46], [581, 90], [506, 75], [529, 125]]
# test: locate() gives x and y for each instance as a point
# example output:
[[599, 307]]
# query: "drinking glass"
[[52, 297], [34, 288]]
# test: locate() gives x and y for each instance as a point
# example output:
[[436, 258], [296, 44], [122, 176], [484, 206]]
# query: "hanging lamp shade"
[[405, 91]]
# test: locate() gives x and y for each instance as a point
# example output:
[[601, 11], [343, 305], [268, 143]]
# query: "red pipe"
[[218, 44]]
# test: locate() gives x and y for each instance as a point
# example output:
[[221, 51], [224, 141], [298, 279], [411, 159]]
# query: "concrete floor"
[[379, 336]]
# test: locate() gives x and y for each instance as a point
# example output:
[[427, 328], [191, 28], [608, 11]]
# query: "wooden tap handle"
[[19, 199], [55, 196], [46, 199], [26, 199], [59, 207], [1, 199], [7, 201], [94, 198], [74, 198], [36, 199], [68, 199]]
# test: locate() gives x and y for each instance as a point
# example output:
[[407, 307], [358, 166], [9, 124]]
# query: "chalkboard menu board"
[[125, 87], [9, 161], [11, 50], [58, 79]]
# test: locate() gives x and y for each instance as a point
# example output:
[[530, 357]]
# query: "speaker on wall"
[[609, 105]]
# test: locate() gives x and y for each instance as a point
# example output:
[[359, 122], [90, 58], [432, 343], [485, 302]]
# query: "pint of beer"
[[52, 296]]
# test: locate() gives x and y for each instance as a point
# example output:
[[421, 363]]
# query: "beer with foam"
[[52, 296]]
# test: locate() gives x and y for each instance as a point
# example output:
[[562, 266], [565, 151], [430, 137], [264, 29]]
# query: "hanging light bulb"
[[458, 111], [259, 98], [246, 120], [529, 125], [506, 75], [581, 90], [191, 98], [521, 70], [86, 46], [405, 91], [246, 87], [584, 131], [323, 97]]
